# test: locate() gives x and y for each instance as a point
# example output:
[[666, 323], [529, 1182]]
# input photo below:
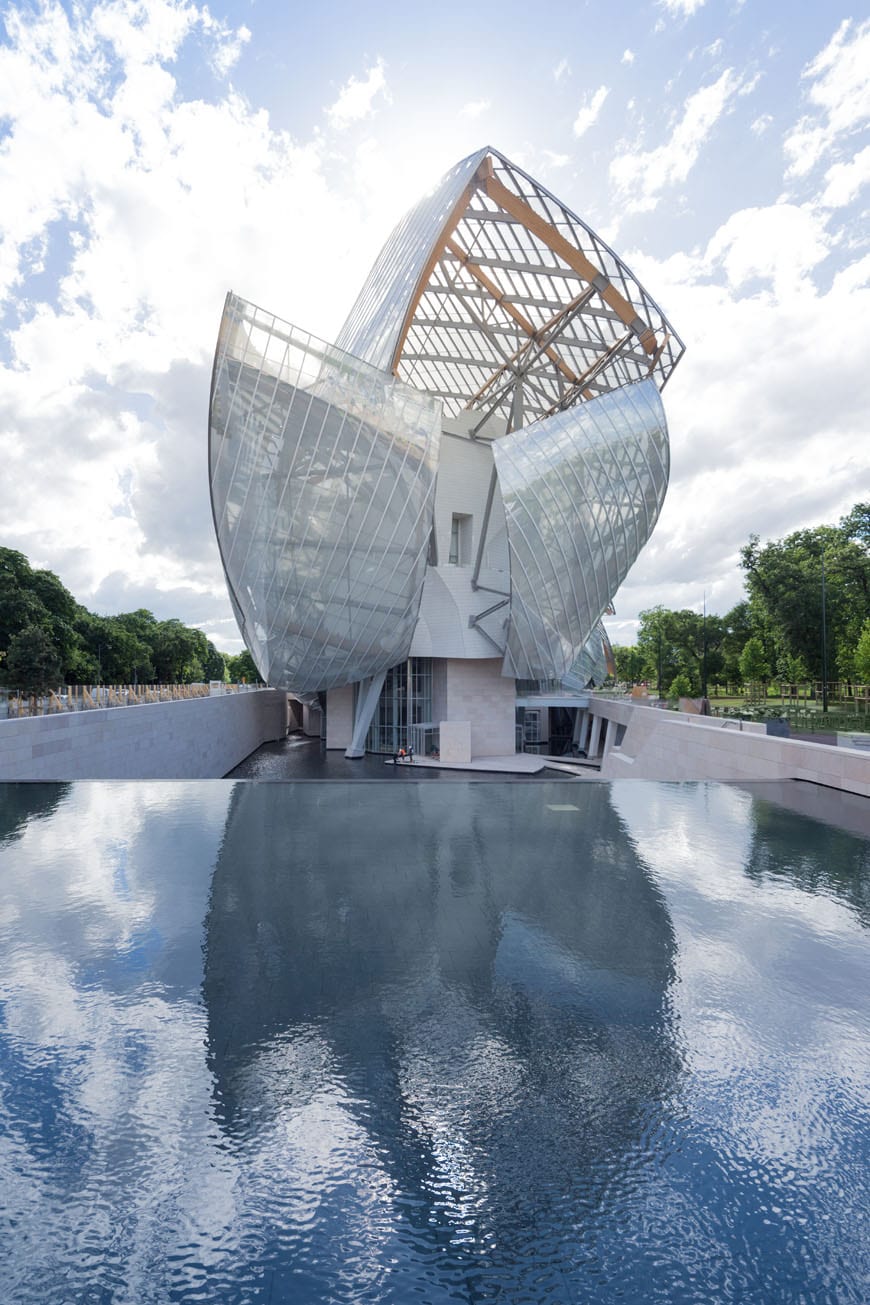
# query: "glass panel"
[[404, 712], [582, 491], [322, 480]]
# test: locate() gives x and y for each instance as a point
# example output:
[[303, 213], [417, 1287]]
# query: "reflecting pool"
[[360, 1042]]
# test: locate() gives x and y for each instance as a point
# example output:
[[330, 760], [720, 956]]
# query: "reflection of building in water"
[[440, 1018], [444, 503]]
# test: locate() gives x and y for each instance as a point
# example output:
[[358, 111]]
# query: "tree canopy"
[[778, 630], [794, 582], [45, 632]]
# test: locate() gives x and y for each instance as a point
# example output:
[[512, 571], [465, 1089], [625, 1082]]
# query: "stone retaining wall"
[[200, 738]]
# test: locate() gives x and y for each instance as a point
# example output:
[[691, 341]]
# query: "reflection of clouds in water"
[[771, 995], [306, 1159], [488, 984], [104, 1078]]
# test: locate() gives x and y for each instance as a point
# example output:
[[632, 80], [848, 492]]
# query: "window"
[[460, 540]]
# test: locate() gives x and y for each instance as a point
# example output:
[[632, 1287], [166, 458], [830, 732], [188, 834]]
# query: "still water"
[[328, 1042]]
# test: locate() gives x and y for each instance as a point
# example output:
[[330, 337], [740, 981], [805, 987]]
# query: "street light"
[[824, 640], [704, 649]]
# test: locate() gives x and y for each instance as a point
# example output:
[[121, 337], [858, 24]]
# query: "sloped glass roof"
[[491, 280]]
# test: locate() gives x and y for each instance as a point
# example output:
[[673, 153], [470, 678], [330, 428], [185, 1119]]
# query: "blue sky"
[[154, 155]]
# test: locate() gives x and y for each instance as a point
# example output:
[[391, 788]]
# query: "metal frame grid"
[[491, 283], [582, 491], [322, 474]]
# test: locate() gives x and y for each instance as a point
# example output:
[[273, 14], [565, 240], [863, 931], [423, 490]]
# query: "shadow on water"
[[440, 1021]]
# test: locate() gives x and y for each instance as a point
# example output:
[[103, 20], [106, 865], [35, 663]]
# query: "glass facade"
[[404, 711], [582, 492], [494, 304], [322, 481]]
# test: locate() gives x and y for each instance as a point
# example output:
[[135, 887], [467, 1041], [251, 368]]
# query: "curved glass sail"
[[322, 473], [582, 491]]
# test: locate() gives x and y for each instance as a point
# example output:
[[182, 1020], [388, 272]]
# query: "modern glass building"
[[441, 505]]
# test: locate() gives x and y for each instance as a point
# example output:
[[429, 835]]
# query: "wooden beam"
[[575, 258], [535, 338], [454, 217], [513, 312]]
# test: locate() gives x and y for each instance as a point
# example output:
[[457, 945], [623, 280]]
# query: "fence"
[[88, 697]]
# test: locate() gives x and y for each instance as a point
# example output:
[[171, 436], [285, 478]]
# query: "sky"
[[155, 154]]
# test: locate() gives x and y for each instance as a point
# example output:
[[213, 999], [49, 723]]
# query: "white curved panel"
[[582, 491]]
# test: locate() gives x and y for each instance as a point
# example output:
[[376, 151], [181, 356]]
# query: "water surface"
[[460, 1042]]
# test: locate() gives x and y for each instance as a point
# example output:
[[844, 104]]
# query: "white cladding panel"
[[449, 602]]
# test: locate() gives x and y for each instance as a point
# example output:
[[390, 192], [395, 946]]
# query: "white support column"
[[581, 728], [368, 693], [609, 737], [592, 750]]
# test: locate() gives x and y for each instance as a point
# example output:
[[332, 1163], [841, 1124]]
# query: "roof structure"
[[491, 289]]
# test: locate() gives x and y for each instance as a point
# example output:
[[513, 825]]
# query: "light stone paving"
[[521, 763]]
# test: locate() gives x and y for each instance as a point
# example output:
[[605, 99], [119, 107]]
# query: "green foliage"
[[32, 662], [241, 668], [680, 687], [215, 666], [787, 577], [29, 597], [792, 669], [754, 666], [629, 664], [685, 643], [131, 648], [862, 655]]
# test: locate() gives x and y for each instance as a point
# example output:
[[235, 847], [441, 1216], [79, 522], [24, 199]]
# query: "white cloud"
[[774, 382], [228, 46], [761, 124], [640, 176], [781, 244], [714, 49], [554, 160], [589, 110], [845, 180], [839, 93], [562, 69], [682, 8], [122, 185], [474, 108], [356, 98], [627, 56]]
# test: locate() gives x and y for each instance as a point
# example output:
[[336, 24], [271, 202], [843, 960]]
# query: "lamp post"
[[704, 649], [824, 640]]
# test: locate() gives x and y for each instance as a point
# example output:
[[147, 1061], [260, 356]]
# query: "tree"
[[686, 642], [629, 662], [33, 662], [29, 597], [215, 666], [241, 667], [179, 653], [681, 687], [754, 666], [784, 579], [862, 655]]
